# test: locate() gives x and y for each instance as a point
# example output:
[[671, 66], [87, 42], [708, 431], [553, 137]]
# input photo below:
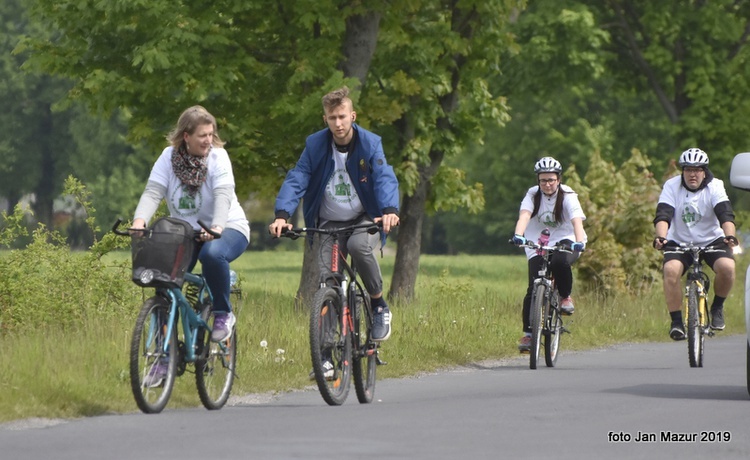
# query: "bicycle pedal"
[[563, 329], [380, 362]]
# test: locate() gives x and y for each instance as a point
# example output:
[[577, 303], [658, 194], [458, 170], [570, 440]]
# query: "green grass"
[[467, 309]]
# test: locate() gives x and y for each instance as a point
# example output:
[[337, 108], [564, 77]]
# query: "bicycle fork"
[[702, 310]]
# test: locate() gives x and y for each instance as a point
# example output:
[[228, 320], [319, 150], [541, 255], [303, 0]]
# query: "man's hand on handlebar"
[[389, 221], [659, 242], [278, 226]]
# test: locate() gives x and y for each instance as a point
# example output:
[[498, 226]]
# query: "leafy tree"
[[262, 67], [603, 78]]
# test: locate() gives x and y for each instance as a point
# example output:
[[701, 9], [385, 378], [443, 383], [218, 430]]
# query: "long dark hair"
[[558, 214]]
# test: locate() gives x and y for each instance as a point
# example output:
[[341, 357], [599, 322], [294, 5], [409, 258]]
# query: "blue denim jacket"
[[371, 175]]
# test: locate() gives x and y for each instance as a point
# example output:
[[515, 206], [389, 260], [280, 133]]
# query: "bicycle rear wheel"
[[552, 335], [538, 312], [215, 366], [152, 370], [329, 342], [364, 350], [694, 331]]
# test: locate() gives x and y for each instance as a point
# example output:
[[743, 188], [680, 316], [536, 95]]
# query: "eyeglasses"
[[547, 181]]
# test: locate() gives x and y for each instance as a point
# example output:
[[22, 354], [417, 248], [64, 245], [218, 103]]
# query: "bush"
[[619, 204], [47, 284]]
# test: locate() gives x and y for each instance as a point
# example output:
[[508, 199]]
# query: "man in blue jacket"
[[344, 179]]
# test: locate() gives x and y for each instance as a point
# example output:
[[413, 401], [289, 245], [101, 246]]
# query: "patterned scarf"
[[191, 170]]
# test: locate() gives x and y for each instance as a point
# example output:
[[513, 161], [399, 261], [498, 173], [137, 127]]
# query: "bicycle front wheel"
[[694, 331], [539, 306], [552, 335], [215, 367], [365, 351], [152, 365], [330, 347]]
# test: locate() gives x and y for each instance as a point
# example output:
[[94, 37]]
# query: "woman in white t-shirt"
[[555, 207], [194, 176], [694, 208]]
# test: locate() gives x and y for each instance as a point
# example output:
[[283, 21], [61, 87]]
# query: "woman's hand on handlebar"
[[137, 223], [278, 226]]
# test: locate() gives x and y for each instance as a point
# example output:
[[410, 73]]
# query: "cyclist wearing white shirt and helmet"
[[555, 207], [694, 208]]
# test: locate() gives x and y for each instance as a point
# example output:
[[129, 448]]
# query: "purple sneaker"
[[157, 374], [223, 326]]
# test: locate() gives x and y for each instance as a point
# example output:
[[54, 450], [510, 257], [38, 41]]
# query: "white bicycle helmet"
[[693, 157], [549, 164]]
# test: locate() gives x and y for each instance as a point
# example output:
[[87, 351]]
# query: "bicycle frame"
[[354, 354], [191, 322], [695, 316], [344, 276]]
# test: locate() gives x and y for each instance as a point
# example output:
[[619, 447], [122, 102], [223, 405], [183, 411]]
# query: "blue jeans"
[[215, 256]]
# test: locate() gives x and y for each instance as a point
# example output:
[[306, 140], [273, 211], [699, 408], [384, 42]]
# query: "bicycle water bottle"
[[543, 240]]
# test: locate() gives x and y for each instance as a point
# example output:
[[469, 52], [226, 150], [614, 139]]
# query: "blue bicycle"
[[160, 350]]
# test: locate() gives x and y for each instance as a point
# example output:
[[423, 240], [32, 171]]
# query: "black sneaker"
[[381, 324], [717, 319], [677, 332]]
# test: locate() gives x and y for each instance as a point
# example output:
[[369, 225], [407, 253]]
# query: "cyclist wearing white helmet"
[[694, 208], [552, 206]]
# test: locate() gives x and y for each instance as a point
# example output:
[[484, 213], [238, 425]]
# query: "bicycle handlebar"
[[127, 232], [294, 233], [558, 247], [690, 247]]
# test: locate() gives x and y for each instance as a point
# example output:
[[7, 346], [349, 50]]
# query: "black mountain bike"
[[545, 315], [340, 323]]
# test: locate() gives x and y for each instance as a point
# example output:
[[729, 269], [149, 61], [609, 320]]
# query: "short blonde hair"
[[189, 121], [336, 98]]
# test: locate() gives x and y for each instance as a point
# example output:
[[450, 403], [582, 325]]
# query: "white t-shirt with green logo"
[[545, 218], [694, 218], [200, 206], [340, 201]]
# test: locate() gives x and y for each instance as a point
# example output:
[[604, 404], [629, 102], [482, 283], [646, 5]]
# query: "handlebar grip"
[[208, 230]]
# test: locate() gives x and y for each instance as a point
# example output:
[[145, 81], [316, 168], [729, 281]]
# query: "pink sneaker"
[[524, 345], [566, 306]]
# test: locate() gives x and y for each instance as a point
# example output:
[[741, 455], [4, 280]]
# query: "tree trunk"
[[45, 189], [410, 232], [360, 39], [359, 44]]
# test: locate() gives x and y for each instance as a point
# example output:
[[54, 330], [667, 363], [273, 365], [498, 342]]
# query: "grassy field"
[[467, 309]]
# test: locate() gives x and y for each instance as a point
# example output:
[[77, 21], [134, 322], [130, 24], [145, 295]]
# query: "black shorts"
[[709, 258]]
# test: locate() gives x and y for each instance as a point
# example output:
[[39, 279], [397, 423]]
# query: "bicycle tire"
[[536, 316], [694, 332], [364, 350], [146, 350], [552, 335], [329, 339], [747, 366], [215, 366]]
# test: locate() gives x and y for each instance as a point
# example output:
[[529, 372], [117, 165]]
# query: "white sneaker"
[[223, 326], [329, 371]]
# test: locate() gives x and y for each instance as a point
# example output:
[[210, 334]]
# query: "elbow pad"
[[724, 212], [664, 213]]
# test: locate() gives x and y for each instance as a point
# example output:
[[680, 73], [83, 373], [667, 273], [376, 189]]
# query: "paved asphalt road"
[[595, 404]]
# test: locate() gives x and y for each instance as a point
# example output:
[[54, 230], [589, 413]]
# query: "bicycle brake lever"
[[292, 235]]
